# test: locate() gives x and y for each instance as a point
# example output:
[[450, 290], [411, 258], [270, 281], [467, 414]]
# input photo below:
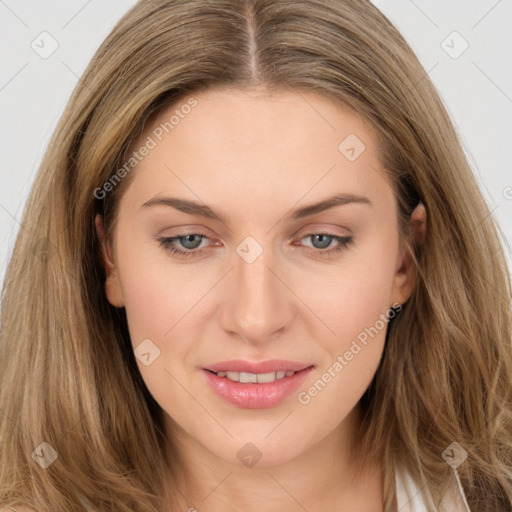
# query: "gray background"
[[475, 84]]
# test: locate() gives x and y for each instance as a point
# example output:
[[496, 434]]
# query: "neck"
[[326, 474]]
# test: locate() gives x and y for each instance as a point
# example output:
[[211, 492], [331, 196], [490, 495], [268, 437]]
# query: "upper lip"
[[271, 365]]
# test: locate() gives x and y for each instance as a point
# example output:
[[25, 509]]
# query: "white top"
[[411, 498]]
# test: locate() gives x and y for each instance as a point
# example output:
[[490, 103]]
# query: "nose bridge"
[[256, 304]]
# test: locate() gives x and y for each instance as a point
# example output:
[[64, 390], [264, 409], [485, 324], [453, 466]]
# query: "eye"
[[190, 242], [324, 240]]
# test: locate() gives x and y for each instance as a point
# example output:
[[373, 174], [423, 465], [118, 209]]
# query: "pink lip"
[[255, 395], [271, 365]]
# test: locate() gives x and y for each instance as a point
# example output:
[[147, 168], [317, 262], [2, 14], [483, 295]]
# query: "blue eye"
[[191, 241], [168, 243], [326, 239]]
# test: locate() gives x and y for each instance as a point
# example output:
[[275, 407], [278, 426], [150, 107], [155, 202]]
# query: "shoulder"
[[411, 498]]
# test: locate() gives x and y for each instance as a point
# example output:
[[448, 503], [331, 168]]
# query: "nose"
[[257, 302]]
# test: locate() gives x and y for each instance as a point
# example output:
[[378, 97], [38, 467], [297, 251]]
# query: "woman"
[[186, 336]]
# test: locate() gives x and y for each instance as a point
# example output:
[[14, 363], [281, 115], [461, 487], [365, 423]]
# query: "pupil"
[[326, 242], [187, 237]]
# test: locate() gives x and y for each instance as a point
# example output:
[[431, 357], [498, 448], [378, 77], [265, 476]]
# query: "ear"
[[406, 274], [113, 289]]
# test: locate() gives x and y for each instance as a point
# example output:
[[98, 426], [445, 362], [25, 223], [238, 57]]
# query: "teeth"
[[253, 378], [266, 377], [248, 377]]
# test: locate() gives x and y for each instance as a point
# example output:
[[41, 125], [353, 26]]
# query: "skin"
[[255, 157]]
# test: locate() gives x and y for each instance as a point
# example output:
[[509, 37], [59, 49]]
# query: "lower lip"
[[256, 396]]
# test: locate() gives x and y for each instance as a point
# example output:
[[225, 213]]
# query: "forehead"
[[259, 147]]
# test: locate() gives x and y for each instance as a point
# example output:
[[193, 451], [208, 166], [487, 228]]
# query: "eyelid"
[[318, 228], [215, 242]]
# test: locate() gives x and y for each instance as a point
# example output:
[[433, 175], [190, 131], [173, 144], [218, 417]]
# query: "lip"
[[271, 365], [256, 395]]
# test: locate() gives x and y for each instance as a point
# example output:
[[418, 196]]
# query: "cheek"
[[352, 296], [158, 292], [161, 303], [355, 303]]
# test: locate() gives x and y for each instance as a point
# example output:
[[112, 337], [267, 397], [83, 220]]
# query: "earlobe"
[[406, 272], [112, 284]]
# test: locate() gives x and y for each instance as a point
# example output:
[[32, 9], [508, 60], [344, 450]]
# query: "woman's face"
[[241, 184]]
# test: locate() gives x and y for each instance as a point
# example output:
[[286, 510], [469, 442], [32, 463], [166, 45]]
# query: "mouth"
[[256, 385], [254, 378], [241, 366]]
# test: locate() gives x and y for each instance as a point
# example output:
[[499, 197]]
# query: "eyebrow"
[[194, 208]]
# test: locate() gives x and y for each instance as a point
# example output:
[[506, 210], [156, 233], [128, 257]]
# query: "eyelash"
[[166, 243]]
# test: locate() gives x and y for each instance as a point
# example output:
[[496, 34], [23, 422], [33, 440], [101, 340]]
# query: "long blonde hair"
[[68, 376]]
